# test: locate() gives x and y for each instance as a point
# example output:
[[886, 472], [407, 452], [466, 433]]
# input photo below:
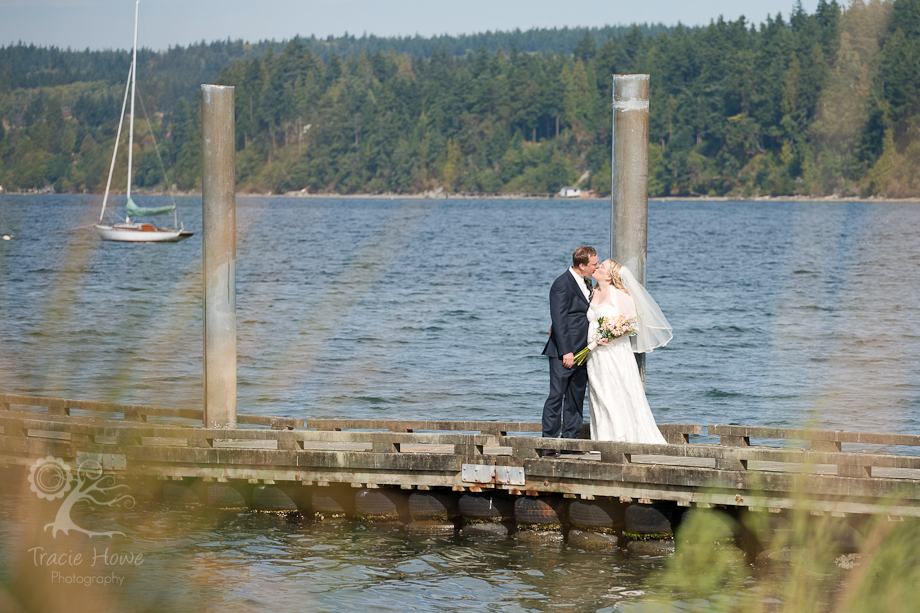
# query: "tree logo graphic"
[[51, 478]]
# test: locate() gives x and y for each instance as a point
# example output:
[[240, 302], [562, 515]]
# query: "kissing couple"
[[579, 310]]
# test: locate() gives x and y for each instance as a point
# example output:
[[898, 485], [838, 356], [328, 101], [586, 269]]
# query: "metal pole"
[[629, 177], [218, 202]]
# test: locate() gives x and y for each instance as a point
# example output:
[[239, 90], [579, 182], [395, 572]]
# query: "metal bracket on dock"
[[498, 475], [108, 461]]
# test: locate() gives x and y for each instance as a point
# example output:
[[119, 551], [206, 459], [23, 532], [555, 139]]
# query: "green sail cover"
[[140, 211]]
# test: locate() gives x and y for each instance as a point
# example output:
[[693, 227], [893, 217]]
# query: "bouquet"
[[608, 328]]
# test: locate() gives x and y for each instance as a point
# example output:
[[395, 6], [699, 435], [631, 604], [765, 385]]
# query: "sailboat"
[[134, 231]]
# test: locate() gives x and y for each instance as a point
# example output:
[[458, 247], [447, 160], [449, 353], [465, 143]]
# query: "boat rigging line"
[[162, 167]]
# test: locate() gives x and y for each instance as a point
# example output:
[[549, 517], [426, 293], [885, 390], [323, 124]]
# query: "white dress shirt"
[[581, 284]]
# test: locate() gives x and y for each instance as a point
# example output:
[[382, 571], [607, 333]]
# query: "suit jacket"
[[568, 309]]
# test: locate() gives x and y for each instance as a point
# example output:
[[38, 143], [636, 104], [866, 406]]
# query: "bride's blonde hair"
[[613, 269]]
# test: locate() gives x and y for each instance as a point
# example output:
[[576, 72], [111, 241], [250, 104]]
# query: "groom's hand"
[[568, 360]]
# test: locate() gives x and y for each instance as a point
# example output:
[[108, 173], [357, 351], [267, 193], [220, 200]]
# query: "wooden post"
[[629, 178], [218, 201]]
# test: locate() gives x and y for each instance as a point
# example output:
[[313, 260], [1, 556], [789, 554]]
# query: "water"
[[438, 308], [784, 314]]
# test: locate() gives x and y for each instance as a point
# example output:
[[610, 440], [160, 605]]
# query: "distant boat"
[[132, 231]]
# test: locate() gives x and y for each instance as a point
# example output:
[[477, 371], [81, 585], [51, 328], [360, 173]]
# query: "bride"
[[619, 409]]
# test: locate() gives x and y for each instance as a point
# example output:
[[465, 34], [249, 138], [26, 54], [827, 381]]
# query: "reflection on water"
[[194, 557], [181, 557]]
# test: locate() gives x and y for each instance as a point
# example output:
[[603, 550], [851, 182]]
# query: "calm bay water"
[[784, 314]]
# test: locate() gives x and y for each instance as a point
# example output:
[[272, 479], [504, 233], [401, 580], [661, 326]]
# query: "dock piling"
[[629, 177], [218, 201]]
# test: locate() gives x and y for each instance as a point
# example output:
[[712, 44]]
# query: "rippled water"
[[438, 308], [784, 314]]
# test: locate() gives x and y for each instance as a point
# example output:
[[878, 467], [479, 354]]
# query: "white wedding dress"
[[619, 409]]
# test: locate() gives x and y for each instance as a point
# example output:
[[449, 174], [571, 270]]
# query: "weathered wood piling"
[[629, 178], [218, 220]]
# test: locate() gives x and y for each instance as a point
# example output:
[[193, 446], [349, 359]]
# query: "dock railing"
[[673, 433], [133, 412]]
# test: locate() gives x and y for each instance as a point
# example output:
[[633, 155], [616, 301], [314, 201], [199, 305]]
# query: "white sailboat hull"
[[140, 233]]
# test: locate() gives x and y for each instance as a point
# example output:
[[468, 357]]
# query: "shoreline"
[[442, 196]]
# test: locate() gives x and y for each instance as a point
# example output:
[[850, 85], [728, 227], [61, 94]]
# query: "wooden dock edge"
[[474, 457]]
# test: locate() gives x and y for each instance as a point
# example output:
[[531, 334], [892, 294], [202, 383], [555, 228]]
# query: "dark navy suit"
[[568, 307]]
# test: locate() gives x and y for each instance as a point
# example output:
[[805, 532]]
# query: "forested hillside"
[[812, 104]]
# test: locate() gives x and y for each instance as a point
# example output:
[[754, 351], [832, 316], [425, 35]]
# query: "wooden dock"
[[138, 442]]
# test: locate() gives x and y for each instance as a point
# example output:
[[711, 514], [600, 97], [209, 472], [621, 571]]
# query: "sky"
[[108, 24]]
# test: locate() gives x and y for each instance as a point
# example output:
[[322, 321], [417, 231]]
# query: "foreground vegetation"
[[816, 104]]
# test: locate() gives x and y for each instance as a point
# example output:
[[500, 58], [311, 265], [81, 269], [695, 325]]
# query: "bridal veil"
[[653, 329]]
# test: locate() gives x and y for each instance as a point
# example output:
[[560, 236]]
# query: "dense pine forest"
[[808, 104]]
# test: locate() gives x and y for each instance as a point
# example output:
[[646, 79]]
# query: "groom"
[[569, 298]]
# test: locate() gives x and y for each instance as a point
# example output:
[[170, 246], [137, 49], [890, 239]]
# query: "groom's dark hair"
[[582, 255]]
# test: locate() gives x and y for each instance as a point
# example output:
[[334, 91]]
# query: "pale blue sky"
[[101, 24]]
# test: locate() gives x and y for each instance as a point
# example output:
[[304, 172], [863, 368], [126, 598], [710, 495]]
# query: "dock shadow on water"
[[178, 556], [173, 553]]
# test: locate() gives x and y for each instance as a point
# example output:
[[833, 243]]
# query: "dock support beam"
[[629, 180], [218, 218]]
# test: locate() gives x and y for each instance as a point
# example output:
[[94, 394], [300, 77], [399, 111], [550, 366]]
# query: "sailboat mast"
[[121, 120], [133, 84]]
